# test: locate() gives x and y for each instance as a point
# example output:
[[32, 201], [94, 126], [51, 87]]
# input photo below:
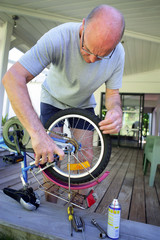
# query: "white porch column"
[[154, 123], [5, 39]]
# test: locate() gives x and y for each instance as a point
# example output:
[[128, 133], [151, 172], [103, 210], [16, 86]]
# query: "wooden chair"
[[152, 154]]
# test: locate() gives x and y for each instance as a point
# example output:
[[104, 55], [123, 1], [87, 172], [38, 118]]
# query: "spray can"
[[114, 214]]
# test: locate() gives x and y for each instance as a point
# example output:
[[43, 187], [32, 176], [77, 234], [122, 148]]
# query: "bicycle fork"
[[69, 178], [70, 206]]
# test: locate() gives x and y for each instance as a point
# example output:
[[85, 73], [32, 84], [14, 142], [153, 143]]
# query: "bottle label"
[[113, 222]]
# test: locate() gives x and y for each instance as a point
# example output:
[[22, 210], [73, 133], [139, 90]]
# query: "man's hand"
[[44, 148], [112, 122], [113, 119]]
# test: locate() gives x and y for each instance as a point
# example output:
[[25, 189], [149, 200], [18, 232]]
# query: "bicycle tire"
[[12, 126], [104, 144]]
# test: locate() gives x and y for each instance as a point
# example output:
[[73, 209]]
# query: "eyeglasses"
[[99, 57]]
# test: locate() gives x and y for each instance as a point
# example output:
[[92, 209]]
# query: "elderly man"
[[83, 56]]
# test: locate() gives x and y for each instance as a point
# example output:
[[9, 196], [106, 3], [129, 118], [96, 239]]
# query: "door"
[[131, 132]]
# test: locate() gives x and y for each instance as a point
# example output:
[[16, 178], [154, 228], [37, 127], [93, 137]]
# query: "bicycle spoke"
[[80, 131]]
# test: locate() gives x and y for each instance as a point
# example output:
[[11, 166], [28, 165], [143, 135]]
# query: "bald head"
[[100, 32], [108, 22]]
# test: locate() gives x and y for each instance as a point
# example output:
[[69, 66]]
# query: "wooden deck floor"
[[126, 182]]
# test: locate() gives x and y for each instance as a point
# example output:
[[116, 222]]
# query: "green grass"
[[6, 237]]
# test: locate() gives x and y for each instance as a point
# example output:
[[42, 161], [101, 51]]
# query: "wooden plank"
[[114, 158], [9, 170], [17, 184], [113, 167], [126, 190], [10, 177], [34, 184], [137, 211], [115, 185], [15, 181]]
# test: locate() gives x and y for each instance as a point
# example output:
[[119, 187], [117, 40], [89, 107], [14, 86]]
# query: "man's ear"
[[83, 23], [82, 27]]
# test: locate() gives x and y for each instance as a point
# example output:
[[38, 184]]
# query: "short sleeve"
[[115, 81], [40, 55]]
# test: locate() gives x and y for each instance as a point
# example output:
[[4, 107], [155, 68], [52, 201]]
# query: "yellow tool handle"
[[70, 213]]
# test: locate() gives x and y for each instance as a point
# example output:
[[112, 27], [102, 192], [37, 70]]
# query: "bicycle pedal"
[[13, 158]]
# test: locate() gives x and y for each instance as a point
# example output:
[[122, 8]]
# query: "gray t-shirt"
[[71, 81]]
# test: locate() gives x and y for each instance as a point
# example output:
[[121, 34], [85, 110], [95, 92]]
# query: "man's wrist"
[[37, 130], [118, 109]]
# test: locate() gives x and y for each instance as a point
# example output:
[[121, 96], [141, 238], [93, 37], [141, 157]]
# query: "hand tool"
[[103, 234], [70, 217], [78, 224]]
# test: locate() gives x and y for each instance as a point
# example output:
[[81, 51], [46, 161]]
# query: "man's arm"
[[113, 119], [15, 81]]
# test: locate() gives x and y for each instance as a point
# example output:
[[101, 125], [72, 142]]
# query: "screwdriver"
[[70, 217]]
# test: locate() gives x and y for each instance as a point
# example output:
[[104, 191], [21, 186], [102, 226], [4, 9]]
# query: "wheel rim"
[[97, 158]]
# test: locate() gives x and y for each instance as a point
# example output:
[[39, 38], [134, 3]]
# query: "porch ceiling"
[[141, 39]]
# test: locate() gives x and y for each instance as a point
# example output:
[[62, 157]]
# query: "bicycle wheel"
[[15, 135], [92, 149]]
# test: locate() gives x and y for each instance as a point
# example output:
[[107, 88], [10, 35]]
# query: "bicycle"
[[87, 150]]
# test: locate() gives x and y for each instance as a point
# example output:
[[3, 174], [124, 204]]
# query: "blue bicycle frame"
[[67, 148]]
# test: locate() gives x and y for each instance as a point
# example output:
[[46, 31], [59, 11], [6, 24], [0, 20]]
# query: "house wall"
[[147, 82]]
